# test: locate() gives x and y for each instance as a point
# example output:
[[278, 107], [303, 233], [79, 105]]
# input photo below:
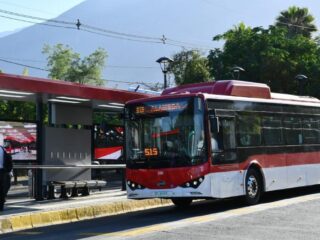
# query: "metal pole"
[[165, 80], [38, 175], [301, 87]]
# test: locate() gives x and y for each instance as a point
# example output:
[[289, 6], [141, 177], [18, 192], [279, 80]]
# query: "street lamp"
[[236, 70], [164, 64], [302, 79]]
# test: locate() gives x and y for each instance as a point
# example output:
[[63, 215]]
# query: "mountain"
[[6, 33], [192, 21]]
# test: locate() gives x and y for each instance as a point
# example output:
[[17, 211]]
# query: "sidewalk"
[[22, 212]]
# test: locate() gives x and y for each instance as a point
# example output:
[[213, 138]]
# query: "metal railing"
[[107, 166], [34, 168]]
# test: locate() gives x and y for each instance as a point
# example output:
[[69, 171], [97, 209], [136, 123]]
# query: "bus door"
[[224, 157], [223, 140]]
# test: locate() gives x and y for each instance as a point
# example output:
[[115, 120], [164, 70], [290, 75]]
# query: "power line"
[[81, 29], [23, 65], [74, 28], [107, 66], [28, 21], [82, 25], [92, 29], [187, 43], [101, 31], [46, 70], [23, 60], [119, 33], [118, 37], [25, 7], [75, 24], [35, 18]]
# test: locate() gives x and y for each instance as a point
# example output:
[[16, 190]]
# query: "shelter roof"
[[23, 88]]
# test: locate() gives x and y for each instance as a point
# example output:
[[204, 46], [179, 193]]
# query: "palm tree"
[[297, 20]]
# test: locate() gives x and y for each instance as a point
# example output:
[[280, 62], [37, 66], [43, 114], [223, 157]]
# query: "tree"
[[65, 64], [16, 110], [25, 72], [297, 21], [189, 67], [268, 56]]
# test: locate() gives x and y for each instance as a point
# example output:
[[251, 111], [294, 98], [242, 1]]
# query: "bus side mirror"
[[214, 124]]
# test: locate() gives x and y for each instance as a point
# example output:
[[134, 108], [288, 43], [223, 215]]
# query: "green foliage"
[[25, 72], [268, 56], [297, 21], [15, 110], [65, 64], [189, 67], [104, 117]]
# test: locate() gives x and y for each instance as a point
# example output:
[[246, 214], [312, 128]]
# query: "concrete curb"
[[31, 220]]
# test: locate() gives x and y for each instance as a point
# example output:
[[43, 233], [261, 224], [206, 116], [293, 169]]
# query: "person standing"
[[5, 169]]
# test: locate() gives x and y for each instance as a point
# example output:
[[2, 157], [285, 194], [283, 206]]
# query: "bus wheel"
[[253, 187], [181, 202], [57, 192]]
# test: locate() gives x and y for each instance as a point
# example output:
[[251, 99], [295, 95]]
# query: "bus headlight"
[[133, 186], [195, 183]]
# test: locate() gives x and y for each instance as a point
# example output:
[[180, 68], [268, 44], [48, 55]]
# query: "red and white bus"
[[220, 139]]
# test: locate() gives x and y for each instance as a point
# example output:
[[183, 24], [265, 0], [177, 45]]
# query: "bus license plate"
[[162, 194]]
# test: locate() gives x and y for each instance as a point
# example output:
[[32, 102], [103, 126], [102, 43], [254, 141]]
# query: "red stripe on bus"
[[271, 160], [173, 177]]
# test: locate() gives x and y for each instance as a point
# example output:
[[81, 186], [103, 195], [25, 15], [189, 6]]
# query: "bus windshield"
[[165, 133]]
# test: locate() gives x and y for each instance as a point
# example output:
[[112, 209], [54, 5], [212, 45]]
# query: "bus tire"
[[57, 192], [181, 202], [253, 187], [75, 192], [66, 192]]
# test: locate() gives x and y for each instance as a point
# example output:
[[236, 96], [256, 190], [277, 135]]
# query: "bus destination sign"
[[159, 108]]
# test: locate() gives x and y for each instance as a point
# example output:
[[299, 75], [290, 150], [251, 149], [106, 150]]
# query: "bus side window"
[[293, 130], [228, 133], [216, 131], [223, 134], [249, 130], [310, 130], [272, 130], [223, 141]]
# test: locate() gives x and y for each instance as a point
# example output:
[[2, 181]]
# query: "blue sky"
[[189, 21], [248, 12], [39, 8]]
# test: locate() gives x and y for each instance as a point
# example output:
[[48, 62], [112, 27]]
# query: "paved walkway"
[[21, 212]]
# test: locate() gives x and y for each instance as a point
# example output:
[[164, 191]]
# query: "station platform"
[[21, 212]]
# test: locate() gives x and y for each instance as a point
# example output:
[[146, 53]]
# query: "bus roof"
[[234, 90], [238, 89]]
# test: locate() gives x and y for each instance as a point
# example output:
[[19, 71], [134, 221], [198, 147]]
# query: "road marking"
[[208, 218], [133, 232], [28, 233]]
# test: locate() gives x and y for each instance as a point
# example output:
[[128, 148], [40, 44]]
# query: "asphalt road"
[[293, 214]]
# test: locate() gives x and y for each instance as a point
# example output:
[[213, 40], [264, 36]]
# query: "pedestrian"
[[5, 169], [8, 185]]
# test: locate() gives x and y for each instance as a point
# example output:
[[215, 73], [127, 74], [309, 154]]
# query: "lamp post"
[[236, 70], [302, 80], [164, 64]]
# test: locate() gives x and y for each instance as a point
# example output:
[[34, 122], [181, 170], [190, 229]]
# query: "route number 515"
[[149, 152]]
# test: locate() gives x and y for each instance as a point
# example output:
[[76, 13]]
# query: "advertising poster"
[[19, 139], [108, 142]]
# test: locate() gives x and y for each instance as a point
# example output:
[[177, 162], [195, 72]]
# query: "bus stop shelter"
[[69, 104]]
